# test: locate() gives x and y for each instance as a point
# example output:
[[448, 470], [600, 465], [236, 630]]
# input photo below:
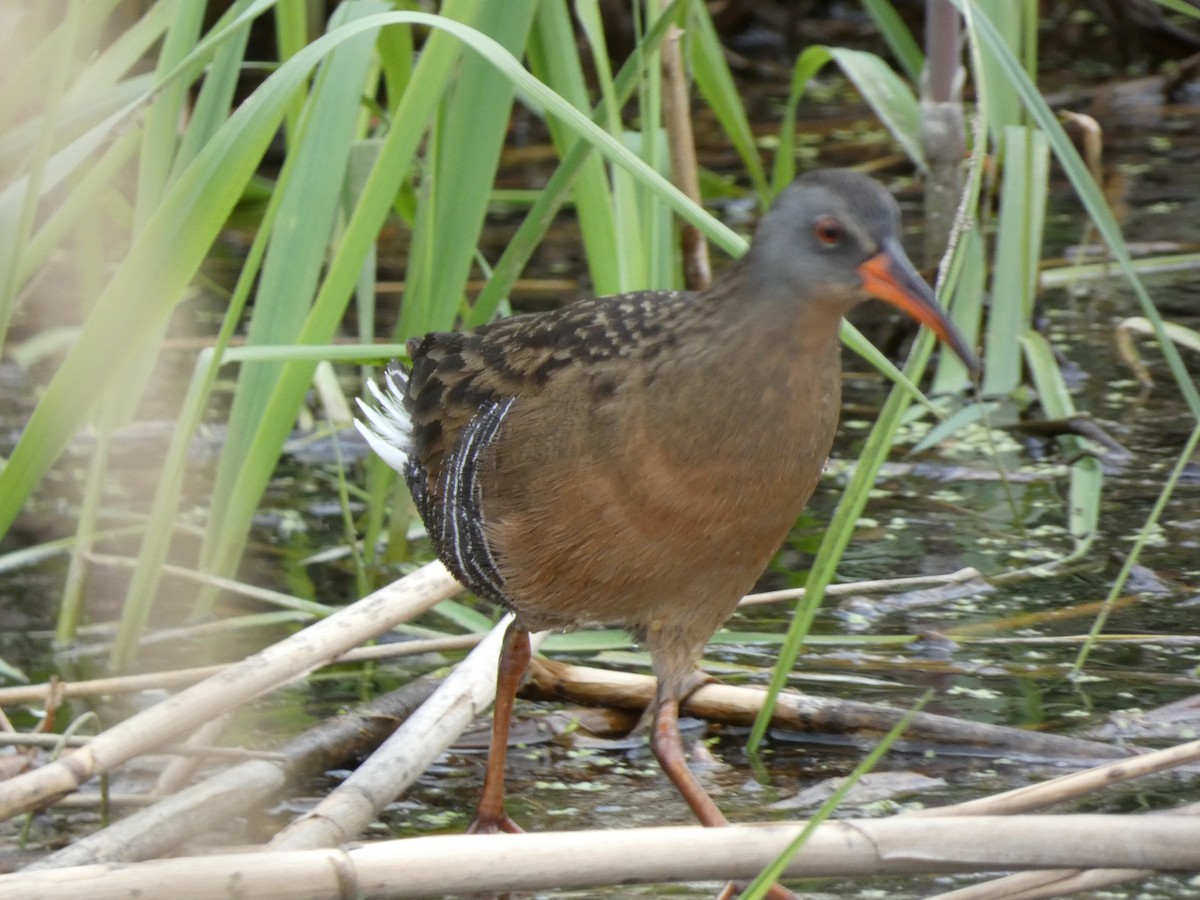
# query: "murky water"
[[1003, 661]]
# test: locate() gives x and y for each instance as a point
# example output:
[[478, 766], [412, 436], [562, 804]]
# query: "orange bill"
[[891, 277]]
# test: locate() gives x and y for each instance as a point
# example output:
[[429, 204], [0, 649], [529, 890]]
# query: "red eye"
[[828, 231]]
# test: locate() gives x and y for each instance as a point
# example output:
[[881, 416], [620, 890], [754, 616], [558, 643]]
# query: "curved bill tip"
[[890, 276]]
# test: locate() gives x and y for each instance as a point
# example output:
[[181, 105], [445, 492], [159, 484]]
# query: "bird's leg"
[[696, 679], [667, 745], [490, 816]]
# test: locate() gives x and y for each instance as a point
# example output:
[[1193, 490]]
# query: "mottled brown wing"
[[463, 385], [455, 374]]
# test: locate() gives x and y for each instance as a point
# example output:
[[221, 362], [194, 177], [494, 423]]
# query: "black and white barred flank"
[[455, 522]]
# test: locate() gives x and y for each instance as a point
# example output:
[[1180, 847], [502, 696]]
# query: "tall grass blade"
[[397, 152], [630, 254], [160, 132], [16, 224], [215, 97], [899, 39], [152, 276], [1087, 475], [554, 59], [1180, 6], [889, 96], [291, 35], [1186, 456], [1004, 104], [1018, 249], [469, 134], [985, 34], [579, 162], [159, 136], [309, 188], [715, 83], [758, 888], [841, 529], [966, 288], [284, 396], [808, 64]]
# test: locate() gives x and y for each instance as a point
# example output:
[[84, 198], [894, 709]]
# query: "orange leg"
[[490, 816], [667, 745], [668, 750]]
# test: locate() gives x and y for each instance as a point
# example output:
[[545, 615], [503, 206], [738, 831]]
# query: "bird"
[[636, 460]]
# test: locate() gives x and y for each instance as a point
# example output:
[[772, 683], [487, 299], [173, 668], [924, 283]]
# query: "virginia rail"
[[636, 460]]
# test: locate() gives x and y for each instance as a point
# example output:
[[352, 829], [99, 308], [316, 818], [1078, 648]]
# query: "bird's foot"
[[694, 681], [779, 892], [494, 825], [775, 892]]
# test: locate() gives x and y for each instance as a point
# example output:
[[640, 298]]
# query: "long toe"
[[734, 889], [490, 825]]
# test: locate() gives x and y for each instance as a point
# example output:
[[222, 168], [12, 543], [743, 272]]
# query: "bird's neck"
[[756, 358], [760, 319]]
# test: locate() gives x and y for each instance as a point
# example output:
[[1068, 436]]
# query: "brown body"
[[636, 460], [662, 512]]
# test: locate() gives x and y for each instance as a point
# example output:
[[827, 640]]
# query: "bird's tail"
[[388, 426]]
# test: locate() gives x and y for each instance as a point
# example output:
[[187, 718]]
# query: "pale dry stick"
[[1161, 640], [175, 678], [404, 756], [209, 806], [1032, 885], [106, 801], [1127, 347], [394, 649], [179, 771], [127, 684], [50, 741], [97, 687], [1092, 139], [802, 712], [1171, 256], [942, 131], [27, 557], [123, 684], [463, 864], [1067, 787], [232, 586], [212, 628], [1043, 474], [1045, 883], [1057, 882], [677, 117], [300, 653], [877, 586]]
